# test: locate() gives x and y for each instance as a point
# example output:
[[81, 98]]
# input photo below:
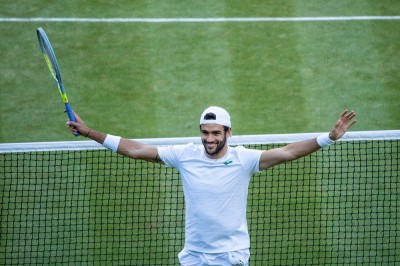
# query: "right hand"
[[78, 126]]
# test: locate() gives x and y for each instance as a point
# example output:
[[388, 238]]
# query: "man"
[[215, 180]]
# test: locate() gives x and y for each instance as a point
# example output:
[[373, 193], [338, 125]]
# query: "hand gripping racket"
[[51, 61]]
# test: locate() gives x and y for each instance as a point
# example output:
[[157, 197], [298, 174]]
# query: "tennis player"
[[215, 180]]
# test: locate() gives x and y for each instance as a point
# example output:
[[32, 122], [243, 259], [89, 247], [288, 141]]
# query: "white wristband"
[[324, 140], [112, 142]]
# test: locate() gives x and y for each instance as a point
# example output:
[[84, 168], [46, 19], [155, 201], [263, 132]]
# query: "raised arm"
[[300, 149], [129, 148]]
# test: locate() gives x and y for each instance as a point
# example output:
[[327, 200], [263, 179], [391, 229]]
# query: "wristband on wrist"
[[324, 140], [112, 142]]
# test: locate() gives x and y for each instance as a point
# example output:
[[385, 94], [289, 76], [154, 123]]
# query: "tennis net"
[[78, 203]]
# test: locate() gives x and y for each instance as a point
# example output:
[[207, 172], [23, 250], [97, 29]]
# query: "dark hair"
[[225, 128], [212, 116]]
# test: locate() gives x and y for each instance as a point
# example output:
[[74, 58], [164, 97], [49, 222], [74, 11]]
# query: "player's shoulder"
[[182, 148], [189, 147], [241, 151], [240, 148]]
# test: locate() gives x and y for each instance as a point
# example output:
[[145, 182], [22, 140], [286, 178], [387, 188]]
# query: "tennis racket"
[[51, 60]]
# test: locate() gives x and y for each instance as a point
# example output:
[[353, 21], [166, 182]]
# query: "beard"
[[218, 148]]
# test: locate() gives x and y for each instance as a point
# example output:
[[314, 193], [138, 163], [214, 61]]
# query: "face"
[[213, 137]]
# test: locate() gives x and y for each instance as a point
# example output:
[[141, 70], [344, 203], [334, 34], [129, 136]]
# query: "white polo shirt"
[[215, 195]]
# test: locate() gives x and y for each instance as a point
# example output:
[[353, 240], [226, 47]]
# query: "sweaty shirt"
[[215, 195]]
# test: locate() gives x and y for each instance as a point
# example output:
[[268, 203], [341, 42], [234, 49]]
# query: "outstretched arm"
[[299, 149], [129, 148]]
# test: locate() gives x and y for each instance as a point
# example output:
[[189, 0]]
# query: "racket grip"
[[71, 115]]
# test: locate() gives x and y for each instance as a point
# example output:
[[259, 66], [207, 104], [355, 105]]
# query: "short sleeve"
[[250, 158], [171, 155]]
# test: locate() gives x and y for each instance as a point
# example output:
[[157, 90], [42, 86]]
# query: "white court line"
[[174, 20]]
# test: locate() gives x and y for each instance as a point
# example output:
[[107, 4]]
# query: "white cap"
[[222, 117]]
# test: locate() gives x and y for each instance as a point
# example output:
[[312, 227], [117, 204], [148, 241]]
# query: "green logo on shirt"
[[228, 162]]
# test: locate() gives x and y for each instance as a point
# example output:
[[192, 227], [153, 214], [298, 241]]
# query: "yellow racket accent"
[[50, 66], [64, 97]]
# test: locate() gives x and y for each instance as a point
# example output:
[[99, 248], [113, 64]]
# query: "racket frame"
[[52, 64]]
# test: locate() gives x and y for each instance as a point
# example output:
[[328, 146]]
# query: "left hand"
[[342, 125]]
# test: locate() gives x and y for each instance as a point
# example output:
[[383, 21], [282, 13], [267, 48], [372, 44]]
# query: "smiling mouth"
[[211, 145]]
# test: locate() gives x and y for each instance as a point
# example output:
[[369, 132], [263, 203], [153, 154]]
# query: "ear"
[[229, 133]]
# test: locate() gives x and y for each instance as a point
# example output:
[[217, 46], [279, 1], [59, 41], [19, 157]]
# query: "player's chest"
[[218, 177]]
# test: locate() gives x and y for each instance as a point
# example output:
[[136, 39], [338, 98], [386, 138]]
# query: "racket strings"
[[49, 60]]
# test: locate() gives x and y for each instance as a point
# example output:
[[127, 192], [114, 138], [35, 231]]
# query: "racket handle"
[[71, 115]]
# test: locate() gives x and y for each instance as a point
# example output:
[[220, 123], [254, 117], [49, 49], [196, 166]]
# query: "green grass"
[[153, 80], [143, 80]]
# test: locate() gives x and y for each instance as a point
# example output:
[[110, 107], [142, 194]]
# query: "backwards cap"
[[215, 115]]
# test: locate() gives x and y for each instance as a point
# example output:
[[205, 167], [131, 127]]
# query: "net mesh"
[[338, 206]]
